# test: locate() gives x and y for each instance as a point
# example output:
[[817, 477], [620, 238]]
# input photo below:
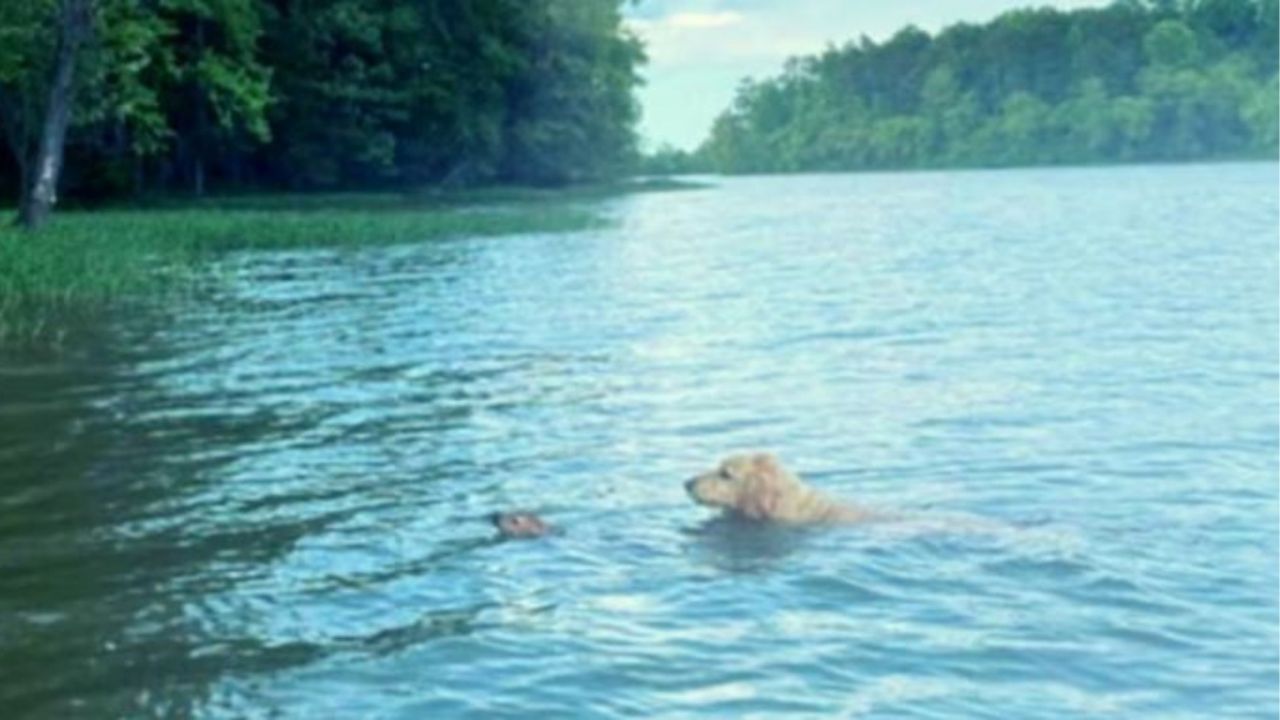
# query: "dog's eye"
[[724, 473]]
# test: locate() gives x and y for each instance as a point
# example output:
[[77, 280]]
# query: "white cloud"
[[707, 38], [696, 20]]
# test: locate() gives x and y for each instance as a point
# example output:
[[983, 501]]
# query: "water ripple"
[[273, 501]]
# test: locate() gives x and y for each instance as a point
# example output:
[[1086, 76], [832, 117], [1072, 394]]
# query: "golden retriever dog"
[[757, 487]]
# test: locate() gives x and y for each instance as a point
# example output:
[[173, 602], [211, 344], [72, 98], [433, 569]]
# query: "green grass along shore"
[[89, 259]]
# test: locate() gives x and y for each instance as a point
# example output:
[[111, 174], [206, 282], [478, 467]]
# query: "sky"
[[699, 50]]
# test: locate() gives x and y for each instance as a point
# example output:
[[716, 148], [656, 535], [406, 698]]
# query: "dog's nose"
[[688, 484]]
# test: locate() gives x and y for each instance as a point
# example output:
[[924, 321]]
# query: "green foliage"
[[573, 102], [127, 77], [27, 43], [1171, 44], [669, 160], [328, 93], [26, 38], [1133, 81]]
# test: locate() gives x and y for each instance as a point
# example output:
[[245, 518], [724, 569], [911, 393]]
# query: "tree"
[[1085, 121], [670, 160], [320, 93], [30, 57], [1137, 80], [26, 53], [218, 90], [1262, 113], [1171, 44], [572, 110]]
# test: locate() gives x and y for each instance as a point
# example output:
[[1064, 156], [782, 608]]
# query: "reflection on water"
[[737, 545], [273, 501]]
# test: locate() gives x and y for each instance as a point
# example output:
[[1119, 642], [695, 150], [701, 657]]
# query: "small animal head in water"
[[520, 524]]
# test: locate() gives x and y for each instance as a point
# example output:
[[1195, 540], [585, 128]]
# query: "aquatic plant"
[[85, 261]]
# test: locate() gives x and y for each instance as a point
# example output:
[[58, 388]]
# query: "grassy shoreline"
[[87, 259]]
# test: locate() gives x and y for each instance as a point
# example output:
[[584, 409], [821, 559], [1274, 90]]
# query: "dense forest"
[[190, 95], [1134, 81]]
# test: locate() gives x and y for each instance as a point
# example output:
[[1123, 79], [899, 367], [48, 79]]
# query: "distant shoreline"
[[986, 168], [1128, 83]]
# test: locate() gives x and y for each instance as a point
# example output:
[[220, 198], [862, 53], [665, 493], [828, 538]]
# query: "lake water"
[[272, 502]]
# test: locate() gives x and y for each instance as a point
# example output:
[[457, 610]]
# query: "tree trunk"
[[201, 130], [74, 24]]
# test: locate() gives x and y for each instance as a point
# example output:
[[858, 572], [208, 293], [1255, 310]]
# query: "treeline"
[[190, 95], [1134, 81]]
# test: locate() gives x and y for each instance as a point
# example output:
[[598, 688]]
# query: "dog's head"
[[753, 486]]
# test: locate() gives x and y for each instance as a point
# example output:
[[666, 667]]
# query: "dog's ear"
[[761, 500], [766, 464]]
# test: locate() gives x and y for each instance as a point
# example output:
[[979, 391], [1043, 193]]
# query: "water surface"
[[271, 501]]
